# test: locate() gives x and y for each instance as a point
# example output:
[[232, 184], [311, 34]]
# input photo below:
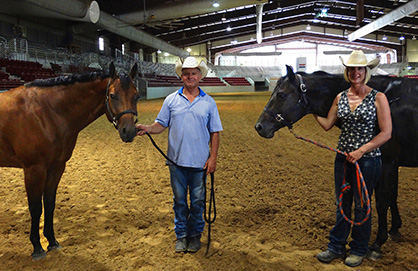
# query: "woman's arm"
[[328, 122]]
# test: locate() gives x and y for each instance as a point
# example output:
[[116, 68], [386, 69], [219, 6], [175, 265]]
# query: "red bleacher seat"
[[237, 81], [26, 70]]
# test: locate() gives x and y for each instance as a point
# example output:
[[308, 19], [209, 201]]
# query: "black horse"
[[296, 95]]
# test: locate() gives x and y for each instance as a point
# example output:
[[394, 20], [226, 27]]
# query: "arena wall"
[[161, 92]]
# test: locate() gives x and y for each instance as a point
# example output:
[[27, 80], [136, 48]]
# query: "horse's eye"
[[282, 95], [113, 97]]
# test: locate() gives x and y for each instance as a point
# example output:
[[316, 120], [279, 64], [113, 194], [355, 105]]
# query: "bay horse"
[[39, 125], [296, 95]]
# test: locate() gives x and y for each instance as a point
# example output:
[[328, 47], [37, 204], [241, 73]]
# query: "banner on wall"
[[301, 64]]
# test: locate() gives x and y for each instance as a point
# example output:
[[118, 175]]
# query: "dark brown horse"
[[299, 94], [39, 125]]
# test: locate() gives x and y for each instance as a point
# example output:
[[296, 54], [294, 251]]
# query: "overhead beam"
[[181, 8], [359, 12], [389, 18], [259, 28], [118, 27]]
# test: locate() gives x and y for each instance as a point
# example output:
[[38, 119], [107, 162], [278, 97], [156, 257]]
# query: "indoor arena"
[[271, 202]]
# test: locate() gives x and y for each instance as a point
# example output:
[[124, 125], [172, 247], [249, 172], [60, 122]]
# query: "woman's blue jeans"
[[188, 221], [371, 168]]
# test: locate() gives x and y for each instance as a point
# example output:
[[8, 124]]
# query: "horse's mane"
[[317, 73], [68, 79]]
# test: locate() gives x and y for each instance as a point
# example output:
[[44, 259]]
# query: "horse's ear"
[[112, 70], [290, 73], [134, 71]]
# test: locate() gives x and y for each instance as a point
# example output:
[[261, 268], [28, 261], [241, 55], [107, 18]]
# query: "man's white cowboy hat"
[[358, 59], [192, 62]]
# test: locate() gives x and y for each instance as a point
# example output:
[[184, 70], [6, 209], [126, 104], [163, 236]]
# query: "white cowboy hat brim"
[[190, 63], [371, 64]]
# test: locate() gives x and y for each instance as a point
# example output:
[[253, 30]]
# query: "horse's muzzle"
[[260, 128], [127, 134]]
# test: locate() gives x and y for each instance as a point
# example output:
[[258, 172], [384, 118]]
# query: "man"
[[193, 140]]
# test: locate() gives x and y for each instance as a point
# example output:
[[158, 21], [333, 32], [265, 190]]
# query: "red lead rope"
[[361, 185]]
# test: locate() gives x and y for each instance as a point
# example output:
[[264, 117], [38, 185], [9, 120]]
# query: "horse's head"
[[287, 105], [121, 102]]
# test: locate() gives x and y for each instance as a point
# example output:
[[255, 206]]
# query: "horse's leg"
[[396, 218], [34, 182], [383, 196], [54, 176]]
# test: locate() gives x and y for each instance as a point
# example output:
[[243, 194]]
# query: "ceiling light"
[[414, 37], [189, 49], [223, 18], [308, 27], [215, 4], [323, 13], [234, 41], [159, 51], [384, 37], [228, 28], [166, 54], [401, 38]]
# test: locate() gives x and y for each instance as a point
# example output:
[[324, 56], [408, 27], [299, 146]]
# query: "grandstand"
[[237, 81], [30, 61], [246, 71]]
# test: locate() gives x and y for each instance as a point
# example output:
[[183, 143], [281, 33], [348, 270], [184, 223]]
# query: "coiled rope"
[[345, 187]]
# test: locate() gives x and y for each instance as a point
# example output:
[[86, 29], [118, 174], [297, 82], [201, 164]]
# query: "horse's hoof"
[[57, 246], [395, 236], [374, 255], [38, 255], [375, 252]]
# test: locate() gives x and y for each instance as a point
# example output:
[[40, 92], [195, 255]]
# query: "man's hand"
[[210, 165]]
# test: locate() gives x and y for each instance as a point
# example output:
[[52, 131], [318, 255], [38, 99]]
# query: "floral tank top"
[[358, 127]]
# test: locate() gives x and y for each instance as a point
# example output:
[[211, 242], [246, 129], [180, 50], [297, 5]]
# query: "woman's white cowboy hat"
[[358, 59], [191, 62]]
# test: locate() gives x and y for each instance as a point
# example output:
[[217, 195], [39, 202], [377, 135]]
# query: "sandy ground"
[[273, 196]]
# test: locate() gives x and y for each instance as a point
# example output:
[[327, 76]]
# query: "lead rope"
[[207, 215], [361, 184]]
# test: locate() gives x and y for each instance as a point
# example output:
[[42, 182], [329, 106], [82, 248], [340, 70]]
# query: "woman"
[[359, 109]]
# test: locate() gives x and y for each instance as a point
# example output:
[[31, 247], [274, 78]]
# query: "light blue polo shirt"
[[190, 125]]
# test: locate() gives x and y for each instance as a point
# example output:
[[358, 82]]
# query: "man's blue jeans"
[[188, 221], [371, 168]]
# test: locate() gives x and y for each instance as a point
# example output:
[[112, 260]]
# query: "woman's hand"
[[354, 156]]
